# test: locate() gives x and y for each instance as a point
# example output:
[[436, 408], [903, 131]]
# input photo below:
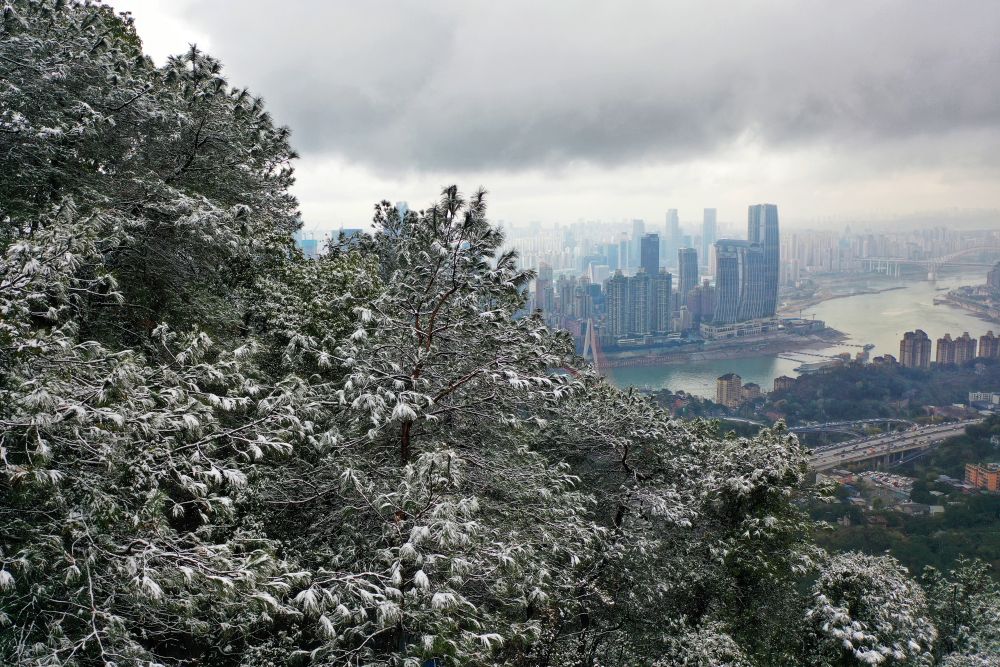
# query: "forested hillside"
[[214, 451]]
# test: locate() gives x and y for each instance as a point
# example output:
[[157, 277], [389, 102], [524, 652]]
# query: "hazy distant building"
[[616, 303], [687, 268], [993, 278], [701, 303], [709, 235], [673, 236], [308, 244], [915, 349], [649, 254], [729, 390], [638, 230], [544, 289], [989, 346]]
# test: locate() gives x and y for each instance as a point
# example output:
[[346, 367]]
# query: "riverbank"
[[986, 313], [742, 348], [879, 318], [792, 308]]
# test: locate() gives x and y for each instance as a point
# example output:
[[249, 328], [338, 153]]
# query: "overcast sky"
[[568, 110]]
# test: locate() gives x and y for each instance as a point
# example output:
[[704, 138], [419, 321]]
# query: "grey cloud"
[[516, 85]]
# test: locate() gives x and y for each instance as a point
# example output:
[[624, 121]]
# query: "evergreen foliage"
[[217, 452]]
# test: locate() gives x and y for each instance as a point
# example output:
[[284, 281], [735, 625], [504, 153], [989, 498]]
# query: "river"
[[880, 319]]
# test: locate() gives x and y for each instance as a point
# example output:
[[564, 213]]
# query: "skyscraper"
[[915, 349], [649, 254], [762, 229], [617, 304], [687, 264], [709, 235], [662, 306], [544, 291], [945, 350], [989, 345], [965, 348], [638, 229], [640, 303], [747, 272], [730, 268]]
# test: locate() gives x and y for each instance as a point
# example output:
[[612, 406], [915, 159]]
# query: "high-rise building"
[[989, 345], [965, 348], [662, 304], [783, 382], [945, 350], [709, 235], [701, 303], [638, 230], [762, 229], [729, 390], [750, 391], [582, 307], [734, 262], [915, 349], [747, 272], [649, 254], [544, 290], [624, 253], [640, 303], [687, 265], [616, 303]]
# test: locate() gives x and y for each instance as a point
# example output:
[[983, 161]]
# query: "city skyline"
[[851, 113]]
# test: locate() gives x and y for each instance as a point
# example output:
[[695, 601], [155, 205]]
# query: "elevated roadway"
[[885, 446]]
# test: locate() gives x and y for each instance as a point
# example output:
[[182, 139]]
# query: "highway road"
[[854, 451]]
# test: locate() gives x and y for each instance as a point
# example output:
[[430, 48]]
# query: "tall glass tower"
[[649, 254], [687, 263], [709, 235], [762, 230]]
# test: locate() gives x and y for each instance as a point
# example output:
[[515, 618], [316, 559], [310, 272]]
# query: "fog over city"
[[838, 112]]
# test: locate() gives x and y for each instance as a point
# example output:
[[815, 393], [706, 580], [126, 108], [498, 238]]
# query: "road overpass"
[[887, 447]]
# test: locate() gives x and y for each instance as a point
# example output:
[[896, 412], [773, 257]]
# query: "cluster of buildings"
[[915, 349], [628, 293], [889, 489], [983, 300], [732, 393]]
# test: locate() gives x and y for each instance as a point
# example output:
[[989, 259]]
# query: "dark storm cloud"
[[516, 85]]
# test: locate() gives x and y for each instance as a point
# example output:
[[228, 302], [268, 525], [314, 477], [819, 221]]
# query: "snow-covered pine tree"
[[185, 177], [215, 452], [965, 608], [868, 610], [120, 477], [432, 530]]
